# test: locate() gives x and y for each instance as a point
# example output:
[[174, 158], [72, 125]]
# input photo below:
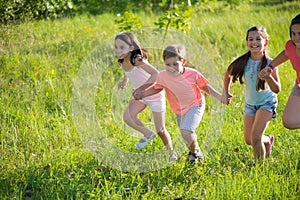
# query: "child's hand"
[[122, 84], [265, 73], [226, 98], [137, 94]]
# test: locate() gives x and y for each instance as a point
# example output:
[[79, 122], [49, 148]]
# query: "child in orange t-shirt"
[[182, 86]]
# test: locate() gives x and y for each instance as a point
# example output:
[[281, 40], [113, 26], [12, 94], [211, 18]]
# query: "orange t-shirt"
[[290, 52], [183, 91]]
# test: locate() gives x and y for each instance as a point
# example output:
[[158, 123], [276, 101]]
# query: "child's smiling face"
[[122, 49], [255, 42], [174, 65]]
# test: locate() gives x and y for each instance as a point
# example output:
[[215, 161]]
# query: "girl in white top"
[[133, 59]]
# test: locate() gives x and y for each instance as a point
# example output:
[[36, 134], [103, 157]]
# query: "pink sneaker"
[[268, 153]]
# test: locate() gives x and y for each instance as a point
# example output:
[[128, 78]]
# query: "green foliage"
[[22, 10], [16, 10], [128, 21], [234, 3], [178, 18]]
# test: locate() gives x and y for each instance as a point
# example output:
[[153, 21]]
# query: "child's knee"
[[248, 141], [127, 118], [287, 123]]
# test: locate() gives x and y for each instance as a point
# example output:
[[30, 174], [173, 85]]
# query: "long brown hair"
[[237, 67], [130, 39], [295, 20]]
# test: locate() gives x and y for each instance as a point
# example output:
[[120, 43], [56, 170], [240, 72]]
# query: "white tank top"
[[138, 77]]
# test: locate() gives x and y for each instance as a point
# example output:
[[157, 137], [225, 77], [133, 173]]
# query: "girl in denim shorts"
[[260, 95]]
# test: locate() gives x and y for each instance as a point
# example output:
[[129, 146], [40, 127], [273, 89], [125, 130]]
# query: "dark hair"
[[295, 20], [130, 39], [237, 67], [174, 50]]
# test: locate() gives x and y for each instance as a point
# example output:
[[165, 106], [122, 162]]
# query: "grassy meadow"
[[62, 134]]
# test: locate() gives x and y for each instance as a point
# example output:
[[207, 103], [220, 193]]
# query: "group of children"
[[183, 86]]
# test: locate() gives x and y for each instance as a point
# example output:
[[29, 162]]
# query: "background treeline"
[[24, 10]]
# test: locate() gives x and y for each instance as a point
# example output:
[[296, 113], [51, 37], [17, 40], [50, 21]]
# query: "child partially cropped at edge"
[[183, 87]]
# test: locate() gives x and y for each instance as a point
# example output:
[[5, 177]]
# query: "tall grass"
[[43, 150]]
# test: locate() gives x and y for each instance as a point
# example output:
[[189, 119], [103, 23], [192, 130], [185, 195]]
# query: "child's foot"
[[144, 140], [173, 156], [269, 149], [194, 157]]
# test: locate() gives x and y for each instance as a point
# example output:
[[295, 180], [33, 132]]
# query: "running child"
[[291, 113], [183, 86], [133, 60], [260, 95]]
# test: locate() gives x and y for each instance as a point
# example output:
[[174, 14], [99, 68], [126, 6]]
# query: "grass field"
[[62, 134]]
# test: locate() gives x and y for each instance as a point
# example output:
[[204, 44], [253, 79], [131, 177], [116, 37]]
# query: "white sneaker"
[[173, 157], [140, 145]]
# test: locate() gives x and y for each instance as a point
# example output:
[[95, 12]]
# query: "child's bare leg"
[[248, 124], [130, 117], [291, 114], [261, 122], [190, 139], [159, 121]]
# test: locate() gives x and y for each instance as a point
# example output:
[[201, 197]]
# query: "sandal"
[[140, 145], [197, 156], [268, 153]]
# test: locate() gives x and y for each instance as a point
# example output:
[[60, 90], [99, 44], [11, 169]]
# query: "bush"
[[21, 10]]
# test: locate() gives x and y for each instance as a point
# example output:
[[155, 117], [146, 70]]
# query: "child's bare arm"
[[208, 89], [272, 78], [123, 83], [139, 94], [226, 96], [146, 66], [279, 59]]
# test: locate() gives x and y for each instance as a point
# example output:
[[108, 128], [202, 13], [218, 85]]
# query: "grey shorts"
[[191, 120]]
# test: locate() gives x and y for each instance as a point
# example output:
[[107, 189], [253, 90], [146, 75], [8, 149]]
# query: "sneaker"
[[140, 144], [197, 156], [268, 153], [173, 157]]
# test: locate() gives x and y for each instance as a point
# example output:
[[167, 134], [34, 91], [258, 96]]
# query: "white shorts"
[[156, 102]]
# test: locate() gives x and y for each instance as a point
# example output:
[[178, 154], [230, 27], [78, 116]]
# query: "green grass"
[[56, 143]]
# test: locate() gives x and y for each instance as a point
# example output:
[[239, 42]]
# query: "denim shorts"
[[250, 110], [191, 120]]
